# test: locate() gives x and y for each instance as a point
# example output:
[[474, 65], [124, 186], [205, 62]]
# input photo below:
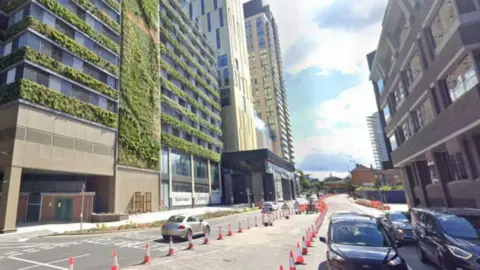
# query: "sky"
[[324, 47]]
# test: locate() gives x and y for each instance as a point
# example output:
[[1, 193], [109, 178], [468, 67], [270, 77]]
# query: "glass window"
[[11, 75], [465, 6], [459, 227], [102, 102], [226, 77], [55, 83], [202, 5], [399, 94], [461, 79], [358, 234], [220, 14], [225, 97], [49, 20], [414, 68], [380, 86], [386, 113], [222, 61], [200, 168], [215, 4], [393, 142], [8, 49], [209, 23], [180, 164], [190, 9], [217, 32], [244, 107], [407, 132], [442, 22]]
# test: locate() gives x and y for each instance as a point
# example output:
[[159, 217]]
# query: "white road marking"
[[195, 255], [23, 239], [37, 263], [76, 257]]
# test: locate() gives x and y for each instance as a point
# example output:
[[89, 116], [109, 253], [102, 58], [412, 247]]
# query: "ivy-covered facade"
[[98, 91]]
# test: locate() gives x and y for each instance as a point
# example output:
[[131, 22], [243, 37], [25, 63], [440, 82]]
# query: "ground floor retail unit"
[[256, 176]]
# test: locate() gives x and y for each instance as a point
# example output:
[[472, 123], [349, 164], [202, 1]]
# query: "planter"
[[101, 218]]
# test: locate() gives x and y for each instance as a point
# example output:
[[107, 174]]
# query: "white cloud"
[[350, 110], [323, 72]]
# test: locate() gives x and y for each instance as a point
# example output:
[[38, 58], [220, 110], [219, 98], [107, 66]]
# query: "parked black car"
[[449, 237], [398, 225], [361, 242]]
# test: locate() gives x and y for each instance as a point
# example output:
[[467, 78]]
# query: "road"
[[258, 248]]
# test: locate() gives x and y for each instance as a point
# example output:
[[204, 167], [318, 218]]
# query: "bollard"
[[114, 261], [239, 227], [304, 246], [291, 262], [229, 233], [70, 263], [220, 236], [171, 249], [248, 223], [205, 240], [256, 224], [190, 242], [299, 255], [146, 258]]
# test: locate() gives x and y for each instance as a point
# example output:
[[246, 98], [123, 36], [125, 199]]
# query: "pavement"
[[258, 248]]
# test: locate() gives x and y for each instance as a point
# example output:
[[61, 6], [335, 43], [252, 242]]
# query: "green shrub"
[[167, 119], [189, 147], [114, 4], [56, 66], [9, 6], [70, 17], [99, 14], [139, 133], [44, 96]]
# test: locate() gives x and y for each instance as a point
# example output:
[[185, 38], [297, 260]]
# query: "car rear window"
[[360, 234], [178, 219]]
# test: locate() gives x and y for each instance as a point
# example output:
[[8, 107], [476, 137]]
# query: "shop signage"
[[181, 198], [201, 198]]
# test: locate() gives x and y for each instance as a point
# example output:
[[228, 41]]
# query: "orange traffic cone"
[[171, 249], [239, 227], [281, 267], [229, 233], [146, 258], [70, 263], [304, 246], [308, 238], [299, 255], [291, 262], [248, 223], [256, 224], [205, 239], [190, 242], [115, 261], [314, 234], [220, 235]]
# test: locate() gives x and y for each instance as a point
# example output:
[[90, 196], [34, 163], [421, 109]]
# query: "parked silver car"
[[180, 226]]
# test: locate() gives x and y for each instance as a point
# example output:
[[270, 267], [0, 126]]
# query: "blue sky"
[[324, 46]]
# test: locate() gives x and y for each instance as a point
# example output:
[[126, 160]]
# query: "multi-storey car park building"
[[136, 132], [267, 78], [222, 22], [428, 61]]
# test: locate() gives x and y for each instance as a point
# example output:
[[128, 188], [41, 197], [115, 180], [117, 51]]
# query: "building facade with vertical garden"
[[113, 100]]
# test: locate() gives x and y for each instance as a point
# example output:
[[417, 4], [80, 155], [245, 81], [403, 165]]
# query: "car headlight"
[[335, 256], [399, 230], [459, 253], [395, 261]]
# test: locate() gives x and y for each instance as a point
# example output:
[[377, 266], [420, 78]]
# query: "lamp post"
[[81, 212]]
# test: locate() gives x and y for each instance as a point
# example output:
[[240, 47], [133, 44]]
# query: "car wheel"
[[441, 262], [207, 230], [421, 255], [265, 224], [166, 238]]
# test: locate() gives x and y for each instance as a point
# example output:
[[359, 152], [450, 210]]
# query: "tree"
[[304, 184]]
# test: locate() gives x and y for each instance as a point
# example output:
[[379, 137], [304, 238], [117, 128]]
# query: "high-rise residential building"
[[262, 133], [136, 132], [427, 61], [267, 77], [377, 140], [222, 22]]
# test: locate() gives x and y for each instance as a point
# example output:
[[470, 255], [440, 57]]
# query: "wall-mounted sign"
[[201, 198], [181, 198]]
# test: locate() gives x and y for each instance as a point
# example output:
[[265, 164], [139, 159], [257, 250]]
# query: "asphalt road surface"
[[258, 248]]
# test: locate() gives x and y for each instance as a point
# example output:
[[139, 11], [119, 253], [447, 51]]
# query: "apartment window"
[[407, 131], [217, 32], [414, 68], [190, 10], [461, 79], [202, 5], [226, 77], [11, 75], [457, 166], [225, 97], [244, 103], [220, 15], [442, 22], [386, 113], [466, 6], [422, 115], [380, 86], [222, 61], [399, 94], [401, 30], [393, 142], [215, 4], [209, 23]]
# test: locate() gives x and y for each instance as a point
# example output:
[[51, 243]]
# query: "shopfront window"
[[214, 176], [180, 164], [200, 168]]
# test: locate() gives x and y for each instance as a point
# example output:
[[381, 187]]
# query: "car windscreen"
[[360, 234], [177, 219], [399, 217], [460, 227]]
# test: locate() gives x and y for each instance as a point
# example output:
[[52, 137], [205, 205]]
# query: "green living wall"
[[139, 127]]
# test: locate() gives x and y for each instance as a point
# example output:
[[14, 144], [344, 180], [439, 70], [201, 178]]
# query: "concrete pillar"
[[406, 8], [192, 172], [170, 184], [209, 176], [466, 160], [9, 201], [475, 155], [390, 43], [219, 171]]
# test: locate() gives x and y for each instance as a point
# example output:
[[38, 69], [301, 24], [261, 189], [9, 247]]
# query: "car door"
[[430, 234], [194, 224], [387, 222]]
